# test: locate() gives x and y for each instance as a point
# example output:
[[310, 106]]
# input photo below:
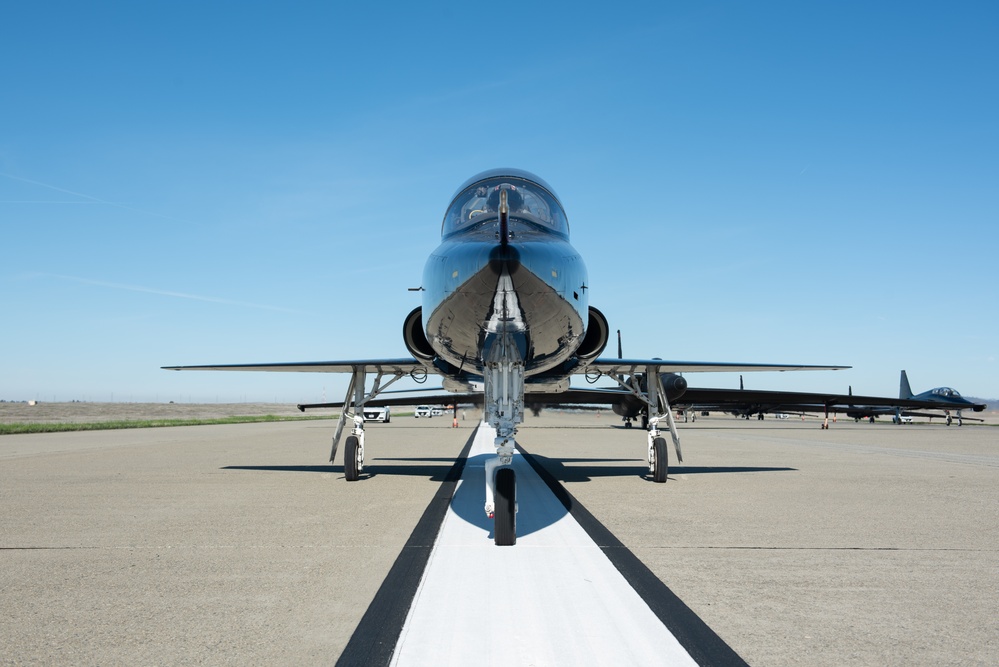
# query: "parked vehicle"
[[377, 415], [423, 411]]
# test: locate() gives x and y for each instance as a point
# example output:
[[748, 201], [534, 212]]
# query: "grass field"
[[79, 416], [53, 427]]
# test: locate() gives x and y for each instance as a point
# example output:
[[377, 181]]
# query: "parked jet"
[[940, 398], [748, 402], [742, 402], [505, 312]]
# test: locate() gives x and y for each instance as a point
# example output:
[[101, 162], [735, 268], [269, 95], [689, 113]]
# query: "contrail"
[[96, 200], [150, 290], [52, 187]]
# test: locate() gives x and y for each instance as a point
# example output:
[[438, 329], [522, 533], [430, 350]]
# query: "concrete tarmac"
[[864, 544], [867, 544]]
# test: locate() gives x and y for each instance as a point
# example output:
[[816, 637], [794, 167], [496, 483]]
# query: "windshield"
[[527, 201]]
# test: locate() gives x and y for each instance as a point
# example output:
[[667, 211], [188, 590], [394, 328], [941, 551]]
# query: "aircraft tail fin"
[[904, 390]]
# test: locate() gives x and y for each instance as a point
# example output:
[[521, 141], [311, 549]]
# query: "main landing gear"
[[658, 449], [353, 404], [658, 410], [658, 453], [353, 446], [659, 460], [353, 458]]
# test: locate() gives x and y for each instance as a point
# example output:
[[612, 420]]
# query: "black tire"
[[645, 422], [505, 517], [660, 460], [351, 462]]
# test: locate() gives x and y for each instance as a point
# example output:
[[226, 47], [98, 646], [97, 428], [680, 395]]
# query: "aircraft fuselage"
[[514, 273]]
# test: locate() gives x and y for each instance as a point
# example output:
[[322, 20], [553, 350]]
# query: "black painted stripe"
[[701, 642], [375, 637]]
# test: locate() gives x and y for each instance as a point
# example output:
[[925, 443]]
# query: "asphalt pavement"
[[864, 544]]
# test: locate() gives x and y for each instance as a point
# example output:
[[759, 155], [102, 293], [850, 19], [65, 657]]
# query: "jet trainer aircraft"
[[506, 312], [940, 398], [747, 402]]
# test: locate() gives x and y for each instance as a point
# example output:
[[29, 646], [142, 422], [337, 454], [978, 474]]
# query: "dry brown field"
[[79, 412]]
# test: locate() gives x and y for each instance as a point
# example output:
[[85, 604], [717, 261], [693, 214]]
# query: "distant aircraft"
[[742, 402], [941, 398], [506, 312]]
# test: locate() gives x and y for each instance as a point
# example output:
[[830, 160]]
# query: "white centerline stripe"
[[553, 599]]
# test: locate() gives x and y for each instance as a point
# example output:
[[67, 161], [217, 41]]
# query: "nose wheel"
[[505, 513]]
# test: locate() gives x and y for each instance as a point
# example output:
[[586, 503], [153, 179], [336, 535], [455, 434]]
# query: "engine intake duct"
[[595, 340], [674, 385], [416, 338]]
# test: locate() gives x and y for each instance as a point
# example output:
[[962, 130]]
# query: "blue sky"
[[245, 182]]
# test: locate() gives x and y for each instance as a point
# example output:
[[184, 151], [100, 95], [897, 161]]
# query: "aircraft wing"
[[632, 366], [387, 366], [570, 397], [734, 398], [794, 399], [573, 396], [408, 365]]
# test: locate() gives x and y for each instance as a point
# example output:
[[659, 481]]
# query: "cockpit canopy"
[[946, 392], [529, 199]]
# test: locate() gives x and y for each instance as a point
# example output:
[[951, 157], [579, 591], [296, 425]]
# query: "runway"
[[866, 544]]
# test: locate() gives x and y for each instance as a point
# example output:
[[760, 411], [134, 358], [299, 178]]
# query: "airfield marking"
[[375, 637], [554, 598], [569, 592], [699, 640]]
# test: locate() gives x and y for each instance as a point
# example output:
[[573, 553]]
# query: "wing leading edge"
[[386, 366], [632, 366]]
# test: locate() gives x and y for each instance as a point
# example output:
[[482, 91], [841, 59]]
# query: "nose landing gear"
[[505, 518]]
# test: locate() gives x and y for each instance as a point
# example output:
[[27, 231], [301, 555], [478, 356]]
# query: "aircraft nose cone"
[[504, 256]]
